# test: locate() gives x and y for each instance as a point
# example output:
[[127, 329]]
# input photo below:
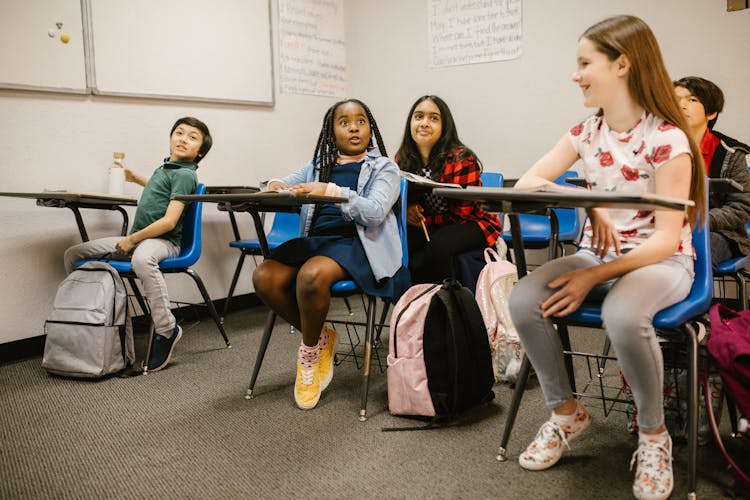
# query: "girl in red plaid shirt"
[[431, 148]]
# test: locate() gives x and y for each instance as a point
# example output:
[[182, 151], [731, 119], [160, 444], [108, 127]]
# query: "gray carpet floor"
[[188, 432]]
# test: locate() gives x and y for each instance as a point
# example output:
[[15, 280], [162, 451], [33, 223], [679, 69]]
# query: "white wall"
[[58, 141], [509, 112]]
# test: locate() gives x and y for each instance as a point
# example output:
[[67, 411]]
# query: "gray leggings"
[[627, 311]]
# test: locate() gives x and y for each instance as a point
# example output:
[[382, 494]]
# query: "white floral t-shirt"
[[627, 162]]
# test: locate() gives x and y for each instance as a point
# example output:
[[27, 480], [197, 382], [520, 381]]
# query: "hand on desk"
[[315, 188], [604, 235], [573, 287]]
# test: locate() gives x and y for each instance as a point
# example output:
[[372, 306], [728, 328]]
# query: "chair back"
[[492, 179], [284, 228], [698, 300], [568, 219], [192, 241], [536, 229]]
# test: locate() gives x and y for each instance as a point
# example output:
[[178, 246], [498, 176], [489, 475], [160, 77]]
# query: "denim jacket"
[[371, 207]]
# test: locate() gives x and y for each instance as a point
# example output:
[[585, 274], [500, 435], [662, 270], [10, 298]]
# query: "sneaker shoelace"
[[549, 433], [307, 376]]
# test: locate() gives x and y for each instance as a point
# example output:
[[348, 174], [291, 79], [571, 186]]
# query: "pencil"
[[424, 228]]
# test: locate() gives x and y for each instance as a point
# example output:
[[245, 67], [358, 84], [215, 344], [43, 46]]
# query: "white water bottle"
[[117, 175]]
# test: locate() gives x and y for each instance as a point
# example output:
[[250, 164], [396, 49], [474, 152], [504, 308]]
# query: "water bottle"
[[117, 175]]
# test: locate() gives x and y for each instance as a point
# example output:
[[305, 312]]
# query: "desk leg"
[[517, 241], [235, 229], [554, 234], [260, 231], [125, 221], [79, 222]]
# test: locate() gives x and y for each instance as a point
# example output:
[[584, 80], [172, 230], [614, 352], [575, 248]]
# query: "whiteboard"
[[32, 60], [182, 49]]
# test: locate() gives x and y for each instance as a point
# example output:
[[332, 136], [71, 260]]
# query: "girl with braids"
[[431, 148], [355, 240], [637, 141]]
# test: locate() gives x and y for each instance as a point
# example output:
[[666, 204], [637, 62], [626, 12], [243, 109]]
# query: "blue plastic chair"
[[734, 268], [676, 324], [346, 288], [190, 252], [538, 231], [284, 228]]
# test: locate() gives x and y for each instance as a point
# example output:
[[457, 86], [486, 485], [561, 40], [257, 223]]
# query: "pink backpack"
[[494, 285], [407, 375], [439, 359]]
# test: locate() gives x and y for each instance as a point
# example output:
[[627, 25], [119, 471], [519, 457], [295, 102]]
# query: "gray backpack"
[[89, 332]]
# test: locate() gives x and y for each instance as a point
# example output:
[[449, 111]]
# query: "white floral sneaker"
[[654, 478], [547, 447]]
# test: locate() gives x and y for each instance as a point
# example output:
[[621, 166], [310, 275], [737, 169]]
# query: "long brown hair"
[[649, 85]]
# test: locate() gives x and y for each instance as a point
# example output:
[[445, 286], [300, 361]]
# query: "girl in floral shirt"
[[636, 142], [431, 148]]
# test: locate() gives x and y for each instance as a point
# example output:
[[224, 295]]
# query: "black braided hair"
[[326, 151]]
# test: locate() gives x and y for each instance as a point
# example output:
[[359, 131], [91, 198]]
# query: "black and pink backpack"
[[439, 361]]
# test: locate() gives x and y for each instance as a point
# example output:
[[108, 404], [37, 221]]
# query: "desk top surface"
[[231, 189], [509, 199], [265, 199], [75, 197]]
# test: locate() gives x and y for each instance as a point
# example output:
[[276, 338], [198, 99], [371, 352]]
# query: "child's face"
[[426, 124], [351, 129], [184, 143], [597, 76], [693, 109]]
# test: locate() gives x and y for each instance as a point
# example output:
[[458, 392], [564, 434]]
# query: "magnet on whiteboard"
[[52, 32], [64, 37]]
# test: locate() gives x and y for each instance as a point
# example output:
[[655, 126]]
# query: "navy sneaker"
[[162, 348]]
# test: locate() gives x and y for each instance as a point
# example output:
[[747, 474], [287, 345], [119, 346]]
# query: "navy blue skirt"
[[349, 254]]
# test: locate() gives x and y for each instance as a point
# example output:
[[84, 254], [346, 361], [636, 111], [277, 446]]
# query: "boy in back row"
[[157, 230]]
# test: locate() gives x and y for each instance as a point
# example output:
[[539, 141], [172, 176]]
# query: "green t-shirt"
[[172, 179]]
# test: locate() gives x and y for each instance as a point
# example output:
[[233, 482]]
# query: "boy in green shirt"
[[157, 230]]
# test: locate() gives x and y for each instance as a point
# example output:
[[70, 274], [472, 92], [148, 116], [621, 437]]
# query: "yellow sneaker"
[[327, 355], [307, 386]]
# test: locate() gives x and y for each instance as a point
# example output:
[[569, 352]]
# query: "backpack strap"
[[449, 296]]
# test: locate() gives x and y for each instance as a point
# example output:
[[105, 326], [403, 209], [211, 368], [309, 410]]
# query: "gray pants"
[[628, 310], [145, 259]]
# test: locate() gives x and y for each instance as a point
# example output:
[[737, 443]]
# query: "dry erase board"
[[182, 49], [36, 54]]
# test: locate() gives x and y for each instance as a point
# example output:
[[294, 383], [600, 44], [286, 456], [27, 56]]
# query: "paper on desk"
[[426, 181]]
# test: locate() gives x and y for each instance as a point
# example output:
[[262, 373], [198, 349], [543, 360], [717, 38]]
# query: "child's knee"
[[311, 281], [143, 263], [262, 277], [622, 322], [524, 300]]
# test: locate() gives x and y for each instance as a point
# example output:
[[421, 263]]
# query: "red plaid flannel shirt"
[[462, 167]]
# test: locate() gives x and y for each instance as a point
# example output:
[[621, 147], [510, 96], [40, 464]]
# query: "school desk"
[[75, 201], [256, 203], [511, 202]]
